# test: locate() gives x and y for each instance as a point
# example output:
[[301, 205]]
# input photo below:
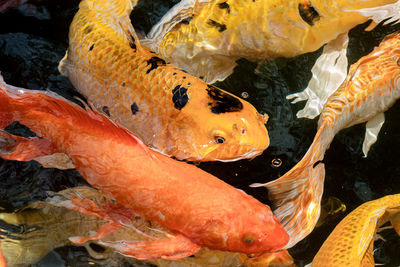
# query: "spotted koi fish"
[[371, 87], [49, 225], [206, 37], [351, 242], [198, 208], [169, 109]]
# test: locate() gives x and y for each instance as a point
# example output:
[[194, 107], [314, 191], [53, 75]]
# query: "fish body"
[[199, 208], [351, 242], [205, 35], [371, 87], [49, 226], [169, 109]]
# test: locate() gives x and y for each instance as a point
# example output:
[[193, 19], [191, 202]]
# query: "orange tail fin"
[[296, 195]]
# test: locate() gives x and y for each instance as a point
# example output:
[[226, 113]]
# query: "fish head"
[[249, 232], [221, 127]]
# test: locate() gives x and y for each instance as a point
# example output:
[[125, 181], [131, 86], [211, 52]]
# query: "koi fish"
[[169, 109], [48, 225], [371, 87], [351, 242], [198, 208], [206, 37]]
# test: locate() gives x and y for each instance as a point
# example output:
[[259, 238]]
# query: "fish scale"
[[166, 107], [361, 98], [351, 241], [215, 33]]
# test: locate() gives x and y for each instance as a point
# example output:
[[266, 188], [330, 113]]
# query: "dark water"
[[33, 38]]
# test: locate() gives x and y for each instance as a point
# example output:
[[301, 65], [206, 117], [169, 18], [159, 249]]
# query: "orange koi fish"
[[49, 225], [371, 87], [199, 209], [351, 242], [170, 110], [206, 37]]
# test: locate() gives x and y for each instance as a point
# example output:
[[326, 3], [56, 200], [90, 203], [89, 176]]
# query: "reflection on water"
[[32, 43]]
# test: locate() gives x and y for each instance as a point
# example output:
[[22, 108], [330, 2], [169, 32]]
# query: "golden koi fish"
[[206, 37], [371, 87], [351, 242], [170, 110], [47, 225]]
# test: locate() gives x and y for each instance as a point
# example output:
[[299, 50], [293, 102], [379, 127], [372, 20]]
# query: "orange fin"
[[172, 248], [103, 231], [296, 195], [19, 148]]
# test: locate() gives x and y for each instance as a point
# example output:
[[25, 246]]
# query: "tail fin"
[[297, 194]]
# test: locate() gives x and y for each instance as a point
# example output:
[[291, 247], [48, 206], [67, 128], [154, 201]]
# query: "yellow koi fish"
[[31, 233], [371, 87], [170, 110], [351, 242], [206, 37]]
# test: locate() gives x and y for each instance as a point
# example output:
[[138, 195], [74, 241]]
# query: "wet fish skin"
[[208, 34], [371, 87], [200, 209], [169, 109], [351, 242], [51, 226]]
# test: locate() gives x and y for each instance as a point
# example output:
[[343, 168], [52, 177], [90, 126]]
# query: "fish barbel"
[[371, 87], [48, 225], [200, 209], [203, 36], [168, 109], [351, 242]]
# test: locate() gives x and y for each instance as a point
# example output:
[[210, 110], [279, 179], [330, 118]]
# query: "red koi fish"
[[371, 87], [198, 208]]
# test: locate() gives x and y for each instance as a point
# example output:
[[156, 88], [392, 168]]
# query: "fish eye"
[[219, 139], [248, 238]]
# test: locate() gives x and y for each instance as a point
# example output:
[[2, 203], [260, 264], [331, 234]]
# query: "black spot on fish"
[[88, 29], [134, 108], [317, 163], [123, 84], [184, 71], [221, 102], [155, 62], [219, 26], [180, 97], [174, 73], [91, 47], [308, 13], [186, 21], [106, 111], [184, 77], [132, 42], [225, 5]]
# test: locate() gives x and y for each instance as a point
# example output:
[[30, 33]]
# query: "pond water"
[[33, 38]]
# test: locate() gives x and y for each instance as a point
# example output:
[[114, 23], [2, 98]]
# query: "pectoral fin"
[[103, 231], [328, 73], [19, 148], [372, 130], [391, 12], [172, 248]]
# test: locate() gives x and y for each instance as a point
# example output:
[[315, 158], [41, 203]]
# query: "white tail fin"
[[390, 13], [328, 73]]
